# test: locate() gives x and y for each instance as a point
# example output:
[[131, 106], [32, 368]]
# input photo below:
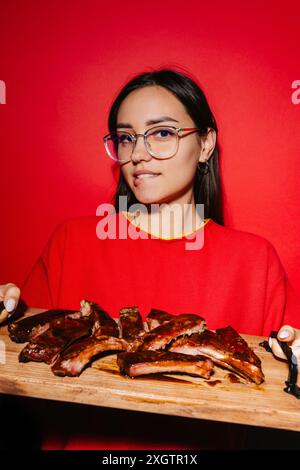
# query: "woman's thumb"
[[286, 333]]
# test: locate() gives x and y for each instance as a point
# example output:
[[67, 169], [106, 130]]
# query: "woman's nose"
[[140, 152]]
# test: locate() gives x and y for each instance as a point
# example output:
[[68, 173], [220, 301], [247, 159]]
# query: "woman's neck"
[[169, 220]]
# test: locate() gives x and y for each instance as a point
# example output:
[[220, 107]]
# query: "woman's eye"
[[124, 139], [163, 133]]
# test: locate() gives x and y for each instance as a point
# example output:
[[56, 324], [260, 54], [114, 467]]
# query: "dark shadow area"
[[33, 424], [272, 439], [20, 424]]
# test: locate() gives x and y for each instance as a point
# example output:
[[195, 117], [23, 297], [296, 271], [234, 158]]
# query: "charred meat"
[[157, 317], [184, 324], [22, 330], [131, 323], [226, 348], [62, 332], [74, 359], [138, 363], [101, 320], [132, 327]]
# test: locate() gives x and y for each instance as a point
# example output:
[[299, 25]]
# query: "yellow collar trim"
[[125, 214]]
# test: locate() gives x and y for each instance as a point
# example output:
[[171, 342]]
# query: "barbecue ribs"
[[226, 348], [138, 363]]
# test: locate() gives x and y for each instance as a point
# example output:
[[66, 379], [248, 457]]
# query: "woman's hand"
[[290, 335], [9, 295]]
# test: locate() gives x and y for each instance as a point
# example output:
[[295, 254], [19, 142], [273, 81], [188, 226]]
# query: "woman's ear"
[[208, 143]]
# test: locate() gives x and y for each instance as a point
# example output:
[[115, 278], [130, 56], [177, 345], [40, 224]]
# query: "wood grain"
[[101, 385]]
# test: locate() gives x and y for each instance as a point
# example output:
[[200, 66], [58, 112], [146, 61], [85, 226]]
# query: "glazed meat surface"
[[138, 363], [157, 317], [101, 320], [184, 324], [22, 330], [131, 323], [132, 327], [69, 340], [74, 359], [62, 332], [226, 348]]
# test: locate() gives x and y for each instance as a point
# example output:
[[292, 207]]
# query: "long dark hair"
[[207, 186]]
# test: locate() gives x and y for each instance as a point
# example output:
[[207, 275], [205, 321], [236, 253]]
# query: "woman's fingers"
[[276, 349], [9, 295], [296, 349], [289, 335]]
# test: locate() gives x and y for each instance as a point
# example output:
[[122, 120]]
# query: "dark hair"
[[207, 187]]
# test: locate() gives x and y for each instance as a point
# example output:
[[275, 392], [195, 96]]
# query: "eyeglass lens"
[[161, 143]]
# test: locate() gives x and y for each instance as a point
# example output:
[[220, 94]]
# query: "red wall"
[[64, 61]]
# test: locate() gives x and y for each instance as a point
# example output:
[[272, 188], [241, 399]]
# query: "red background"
[[63, 63]]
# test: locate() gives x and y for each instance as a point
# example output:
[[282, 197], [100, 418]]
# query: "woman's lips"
[[147, 177]]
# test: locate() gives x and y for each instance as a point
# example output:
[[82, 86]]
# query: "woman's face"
[[175, 175]]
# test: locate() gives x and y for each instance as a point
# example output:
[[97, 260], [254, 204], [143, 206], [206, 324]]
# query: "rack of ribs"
[[161, 336], [65, 330], [105, 338], [24, 329], [157, 317], [132, 327], [138, 363], [102, 321], [226, 348], [73, 360], [69, 340], [62, 332]]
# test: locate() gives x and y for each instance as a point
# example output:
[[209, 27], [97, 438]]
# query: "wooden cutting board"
[[218, 399]]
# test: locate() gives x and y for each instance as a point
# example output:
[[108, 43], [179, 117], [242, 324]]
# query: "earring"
[[203, 167]]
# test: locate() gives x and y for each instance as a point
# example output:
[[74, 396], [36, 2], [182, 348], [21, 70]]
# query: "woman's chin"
[[148, 198], [148, 201]]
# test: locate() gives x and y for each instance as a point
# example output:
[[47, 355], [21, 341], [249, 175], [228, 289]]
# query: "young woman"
[[163, 136]]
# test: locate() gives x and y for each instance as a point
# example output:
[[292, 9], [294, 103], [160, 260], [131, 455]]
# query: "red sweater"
[[236, 278]]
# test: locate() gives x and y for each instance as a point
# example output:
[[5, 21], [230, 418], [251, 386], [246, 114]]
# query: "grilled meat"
[[105, 337], [226, 348], [132, 327], [102, 322], [70, 340], [157, 317], [75, 358], [65, 330], [138, 363], [184, 324], [22, 330], [62, 332], [131, 323]]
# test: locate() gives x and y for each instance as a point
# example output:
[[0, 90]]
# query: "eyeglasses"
[[160, 142]]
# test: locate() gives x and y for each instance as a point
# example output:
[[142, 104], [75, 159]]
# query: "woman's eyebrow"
[[148, 123]]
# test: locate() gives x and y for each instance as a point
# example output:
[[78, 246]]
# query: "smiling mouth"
[[147, 175], [138, 179]]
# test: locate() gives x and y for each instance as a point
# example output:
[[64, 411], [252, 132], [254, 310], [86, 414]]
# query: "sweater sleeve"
[[42, 285], [281, 303]]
